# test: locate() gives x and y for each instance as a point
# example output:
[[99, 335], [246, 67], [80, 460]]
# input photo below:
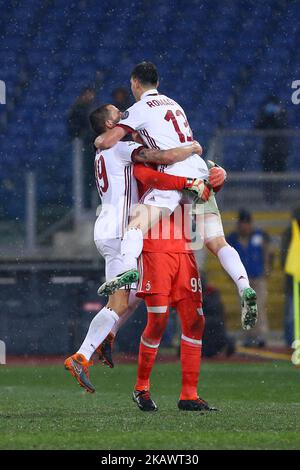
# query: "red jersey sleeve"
[[155, 179]]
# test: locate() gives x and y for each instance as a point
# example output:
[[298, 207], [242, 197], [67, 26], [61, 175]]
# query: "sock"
[[131, 248], [231, 262], [190, 356], [132, 306], [99, 328], [157, 319], [147, 356]]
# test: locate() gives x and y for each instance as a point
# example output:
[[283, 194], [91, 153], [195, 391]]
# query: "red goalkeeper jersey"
[[171, 234]]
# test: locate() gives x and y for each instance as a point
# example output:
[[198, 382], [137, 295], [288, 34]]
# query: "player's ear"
[[109, 124]]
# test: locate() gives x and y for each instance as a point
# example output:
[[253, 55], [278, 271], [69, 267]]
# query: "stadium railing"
[[241, 152]]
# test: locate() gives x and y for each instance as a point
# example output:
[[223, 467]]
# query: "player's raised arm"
[[124, 123], [163, 181], [156, 179], [110, 138], [167, 157]]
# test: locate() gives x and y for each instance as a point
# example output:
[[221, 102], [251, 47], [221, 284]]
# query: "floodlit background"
[[234, 66]]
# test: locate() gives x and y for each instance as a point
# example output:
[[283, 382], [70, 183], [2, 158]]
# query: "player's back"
[[162, 124], [117, 189]]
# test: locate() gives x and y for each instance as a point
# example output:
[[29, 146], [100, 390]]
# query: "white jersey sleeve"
[[127, 150]]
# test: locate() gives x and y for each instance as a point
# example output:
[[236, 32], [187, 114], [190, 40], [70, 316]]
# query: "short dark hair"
[[146, 73], [98, 118]]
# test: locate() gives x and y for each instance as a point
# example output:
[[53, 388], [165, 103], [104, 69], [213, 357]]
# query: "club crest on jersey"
[[147, 286], [125, 115]]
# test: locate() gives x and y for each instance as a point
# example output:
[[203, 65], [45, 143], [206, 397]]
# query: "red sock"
[[147, 358], [156, 324], [192, 325], [190, 364]]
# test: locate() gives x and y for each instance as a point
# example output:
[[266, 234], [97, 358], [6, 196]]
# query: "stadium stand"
[[220, 72]]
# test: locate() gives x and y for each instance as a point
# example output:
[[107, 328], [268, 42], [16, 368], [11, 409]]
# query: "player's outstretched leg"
[[78, 366], [131, 248], [231, 262], [99, 328], [143, 218], [105, 349]]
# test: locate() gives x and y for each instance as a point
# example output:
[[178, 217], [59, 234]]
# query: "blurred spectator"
[[289, 306], [98, 81], [275, 147], [79, 126], [253, 246], [121, 98]]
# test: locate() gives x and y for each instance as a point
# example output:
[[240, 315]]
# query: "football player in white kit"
[[162, 124], [118, 191]]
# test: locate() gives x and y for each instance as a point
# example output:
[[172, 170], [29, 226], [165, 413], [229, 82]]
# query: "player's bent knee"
[[192, 341], [194, 327], [215, 244], [150, 343], [119, 302], [157, 308]]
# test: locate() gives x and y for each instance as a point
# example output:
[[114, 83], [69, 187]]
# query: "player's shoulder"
[[125, 145], [134, 108], [110, 155], [132, 114], [125, 149]]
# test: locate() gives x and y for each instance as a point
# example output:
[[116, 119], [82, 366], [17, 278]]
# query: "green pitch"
[[43, 408]]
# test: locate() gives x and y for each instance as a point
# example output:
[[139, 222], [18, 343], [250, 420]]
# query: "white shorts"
[[160, 198], [110, 250]]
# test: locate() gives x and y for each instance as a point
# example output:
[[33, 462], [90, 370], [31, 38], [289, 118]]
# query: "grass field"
[[42, 408]]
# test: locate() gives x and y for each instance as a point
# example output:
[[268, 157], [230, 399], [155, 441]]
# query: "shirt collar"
[[153, 91]]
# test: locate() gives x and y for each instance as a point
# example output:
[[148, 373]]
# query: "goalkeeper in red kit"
[[169, 277]]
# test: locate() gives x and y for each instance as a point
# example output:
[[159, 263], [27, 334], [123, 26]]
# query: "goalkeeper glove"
[[200, 188], [217, 175]]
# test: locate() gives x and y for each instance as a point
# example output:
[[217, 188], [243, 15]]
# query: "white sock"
[[132, 306], [131, 248], [231, 262], [99, 328]]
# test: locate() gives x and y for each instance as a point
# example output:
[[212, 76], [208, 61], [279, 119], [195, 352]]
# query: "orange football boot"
[[79, 368]]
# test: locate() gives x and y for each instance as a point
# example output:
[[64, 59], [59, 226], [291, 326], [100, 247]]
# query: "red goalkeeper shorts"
[[175, 275]]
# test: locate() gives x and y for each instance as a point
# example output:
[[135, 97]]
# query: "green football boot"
[[124, 279], [249, 308]]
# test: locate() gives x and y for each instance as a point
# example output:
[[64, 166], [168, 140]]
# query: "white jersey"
[[117, 189], [162, 124]]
